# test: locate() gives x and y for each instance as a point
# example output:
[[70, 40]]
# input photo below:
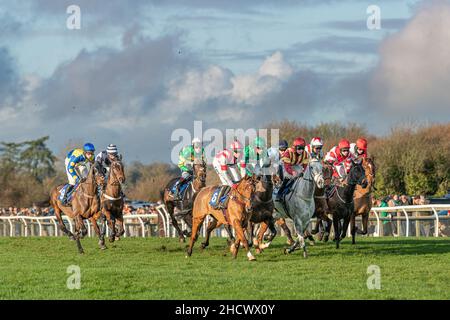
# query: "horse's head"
[[116, 171], [99, 178], [369, 168], [246, 187], [263, 183], [327, 171], [357, 175], [315, 167], [200, 172]]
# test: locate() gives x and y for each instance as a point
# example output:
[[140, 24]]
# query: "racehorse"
[[184, 205], [299, 202], [341, 203], [112, 199], [85, 205], [322, 210], [363, 199], [236, 214], [262, 211]]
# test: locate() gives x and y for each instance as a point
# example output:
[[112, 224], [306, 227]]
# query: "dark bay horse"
[[363, 199], [84, 205], [322, 210], [341, 202], [184, 205], [112, 200], [237, 213]]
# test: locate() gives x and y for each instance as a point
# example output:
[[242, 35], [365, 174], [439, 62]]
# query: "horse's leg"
[[188, 220], [345, 225], [260, 237], [61, 224], [101, 240], [327, 226], [231, 238], [196, 224], [121, 229], [283, 225], [353, 227], [365, 222], [337, 232], [211, 226], [240, 237], [78, 228], [250, 229], [111, 224], [170, 210]]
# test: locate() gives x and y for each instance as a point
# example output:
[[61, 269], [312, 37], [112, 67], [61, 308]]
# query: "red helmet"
[[344, 144], [236, 145], [299, 142], [361, 143]]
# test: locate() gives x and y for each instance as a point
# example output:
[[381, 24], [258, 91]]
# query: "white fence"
[[404, 219]]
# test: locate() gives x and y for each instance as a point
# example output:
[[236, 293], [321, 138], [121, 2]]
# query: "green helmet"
[[259, 142]]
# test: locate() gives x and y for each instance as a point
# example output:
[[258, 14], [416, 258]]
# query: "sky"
[[138, 70]]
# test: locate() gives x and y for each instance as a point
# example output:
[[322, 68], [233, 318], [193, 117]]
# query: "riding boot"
[[222, 191], [281, 190], [67, 194]]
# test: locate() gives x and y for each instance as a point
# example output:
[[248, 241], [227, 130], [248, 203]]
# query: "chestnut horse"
[[184, 206], [85, 205], [363, 199], [236, 214], [112, 199]]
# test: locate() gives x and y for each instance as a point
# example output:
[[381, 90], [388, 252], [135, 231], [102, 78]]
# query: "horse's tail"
[[44, 203]]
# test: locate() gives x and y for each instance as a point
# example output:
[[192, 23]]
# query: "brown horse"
[[184, 205], [322, 210], [236, 215], [363, 199], [85, 205], [112, 199]]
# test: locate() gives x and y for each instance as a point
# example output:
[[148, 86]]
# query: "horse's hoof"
[[103, 248], [305, 255], [252, 259], [312, 243], [117, 238], [286, 251], [258, 251], [182, 240]]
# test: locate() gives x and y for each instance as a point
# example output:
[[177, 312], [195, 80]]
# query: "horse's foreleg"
[[121, 229], [78, 227], [101, 240], [365, 223], [287, 232], [240, 235], [260, 237], [211, 226], [196, 225], [170, 210], [231, 238], [353, 227], [111, 224], [337, 231]]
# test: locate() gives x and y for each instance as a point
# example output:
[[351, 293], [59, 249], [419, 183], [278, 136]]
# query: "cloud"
[[413, 75]]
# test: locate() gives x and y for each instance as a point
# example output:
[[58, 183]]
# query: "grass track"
[[156, 268]]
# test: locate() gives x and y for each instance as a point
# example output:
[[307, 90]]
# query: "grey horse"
[[300, 202]]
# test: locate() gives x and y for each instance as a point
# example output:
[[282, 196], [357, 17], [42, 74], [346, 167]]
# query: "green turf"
[[156, 268]]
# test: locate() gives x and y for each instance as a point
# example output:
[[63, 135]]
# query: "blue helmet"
[[88, 147], [283, 144]]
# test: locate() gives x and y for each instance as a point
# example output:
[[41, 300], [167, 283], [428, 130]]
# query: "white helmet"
[[316, 142], [196, 141]]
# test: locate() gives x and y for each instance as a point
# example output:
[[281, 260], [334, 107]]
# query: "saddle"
[[219, 198]]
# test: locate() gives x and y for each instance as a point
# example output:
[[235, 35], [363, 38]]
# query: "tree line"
[[409, 160]]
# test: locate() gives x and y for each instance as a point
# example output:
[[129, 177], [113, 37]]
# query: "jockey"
[[294, 161], [340, 158], [314, 149], [274, 157], [255, 156], [359, 149], [104, 158], [186, 161], [230, 166], [76, 169]]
